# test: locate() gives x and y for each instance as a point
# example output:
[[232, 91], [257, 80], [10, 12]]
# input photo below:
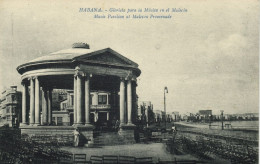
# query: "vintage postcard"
[[133, 81]]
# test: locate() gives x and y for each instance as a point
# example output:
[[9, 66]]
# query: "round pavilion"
[[82, 70]]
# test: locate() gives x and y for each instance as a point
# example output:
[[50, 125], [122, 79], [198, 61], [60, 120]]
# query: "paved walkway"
[[155, 150]]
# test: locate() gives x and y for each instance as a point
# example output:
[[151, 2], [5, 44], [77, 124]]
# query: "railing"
[[103, 106]]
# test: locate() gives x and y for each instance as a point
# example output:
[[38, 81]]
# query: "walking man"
[[76, 137]]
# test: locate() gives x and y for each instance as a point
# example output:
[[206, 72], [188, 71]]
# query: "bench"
[[110, 159], [96, 159], [126, 160], [146, 160], [80, 158], [186, 162]]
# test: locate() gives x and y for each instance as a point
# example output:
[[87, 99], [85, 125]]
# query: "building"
[[205, 112], [158, 115], [10, 107], [176, 116], [102, 105], [169, 117], [205, 115], [145, 111], [87, 73]]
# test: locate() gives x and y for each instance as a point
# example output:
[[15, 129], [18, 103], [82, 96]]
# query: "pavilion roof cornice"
[[41, 63]]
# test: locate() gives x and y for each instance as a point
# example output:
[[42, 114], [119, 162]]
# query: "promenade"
[[243, 134], [155, 150]]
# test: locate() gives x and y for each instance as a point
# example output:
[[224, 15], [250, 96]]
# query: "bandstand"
[[82, 71]]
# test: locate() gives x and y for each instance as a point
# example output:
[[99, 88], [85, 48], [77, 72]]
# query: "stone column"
[[134, 101], [24, 105], [87, 98], [95, 116], [44, 106], [129, 102], [107, 116], [49, 102], [68, 99], [122, 101], [37, 101], [79, 99], [75, 101], [32, 101]]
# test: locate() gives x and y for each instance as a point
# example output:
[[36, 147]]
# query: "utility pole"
[[209, 121], [165, 91], [222, 127]]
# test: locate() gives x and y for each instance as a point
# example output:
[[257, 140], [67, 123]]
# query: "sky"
[[207, 56]]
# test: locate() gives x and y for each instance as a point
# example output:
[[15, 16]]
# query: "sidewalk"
[[155, 150]]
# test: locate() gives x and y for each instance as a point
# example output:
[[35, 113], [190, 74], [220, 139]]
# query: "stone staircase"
[[111, 138]]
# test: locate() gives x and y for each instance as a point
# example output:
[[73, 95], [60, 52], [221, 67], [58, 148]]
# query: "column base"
[[45, 124], [36, 124], [23, 124], [128, 126], [78, 124], [127, 133], [88, 125], [122, 124]]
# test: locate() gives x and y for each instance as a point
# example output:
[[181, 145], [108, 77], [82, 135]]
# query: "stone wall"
[[57, 132], [47, 130]]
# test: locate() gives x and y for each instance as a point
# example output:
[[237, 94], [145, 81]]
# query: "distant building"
[[169, 117], [10, 107], [205, 115], [190, 117], [158, 115], [205, 112], [145, 111], [176, 116]]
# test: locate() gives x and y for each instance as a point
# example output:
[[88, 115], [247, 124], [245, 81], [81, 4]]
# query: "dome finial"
[[80, 45]]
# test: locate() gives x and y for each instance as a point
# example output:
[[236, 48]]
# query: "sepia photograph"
[[129, 82]]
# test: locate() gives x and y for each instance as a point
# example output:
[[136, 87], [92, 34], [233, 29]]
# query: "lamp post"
[[222, 127], [165, 91], [209, 121]]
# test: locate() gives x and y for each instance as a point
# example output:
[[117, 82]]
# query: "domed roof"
[[79, 53], [67, 54]]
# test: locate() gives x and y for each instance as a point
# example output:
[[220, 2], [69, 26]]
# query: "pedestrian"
[[76, 137], [117, 125], [173, 129]]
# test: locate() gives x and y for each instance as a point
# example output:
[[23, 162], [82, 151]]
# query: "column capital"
[[134, 79], [34, 77], [86, 75], [122, 79], [30, 78], [23, 82], [78, 73], [44, 88], [130, 78], [49, 88]]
